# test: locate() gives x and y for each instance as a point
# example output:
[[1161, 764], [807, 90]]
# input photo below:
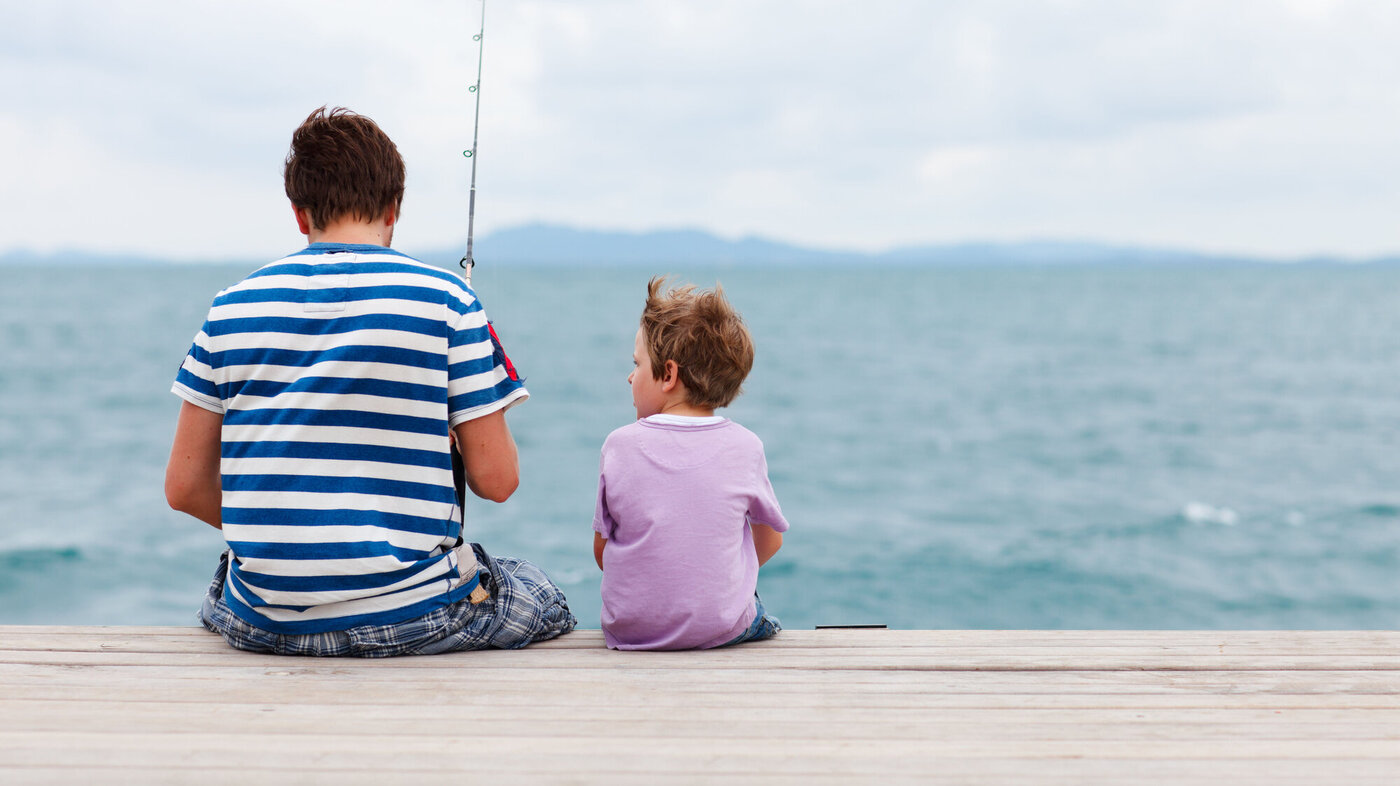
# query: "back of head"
[[342, 165], [704, 335]]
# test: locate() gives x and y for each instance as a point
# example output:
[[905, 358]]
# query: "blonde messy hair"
[[703, 334]]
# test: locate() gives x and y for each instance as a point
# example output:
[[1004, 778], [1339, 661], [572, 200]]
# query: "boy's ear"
[[303, 218], [671, 377]]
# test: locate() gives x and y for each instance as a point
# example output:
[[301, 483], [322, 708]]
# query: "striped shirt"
[[339, 372]]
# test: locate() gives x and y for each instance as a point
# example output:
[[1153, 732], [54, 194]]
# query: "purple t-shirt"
[[676, 497]]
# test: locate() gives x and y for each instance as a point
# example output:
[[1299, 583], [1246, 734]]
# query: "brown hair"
[[704, 335], [342, 164]]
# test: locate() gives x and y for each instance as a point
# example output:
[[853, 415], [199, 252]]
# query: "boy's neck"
[[352, 235], [686, 409], [348, 230]]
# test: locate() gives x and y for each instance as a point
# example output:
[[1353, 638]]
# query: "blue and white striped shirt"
[[339, 371]]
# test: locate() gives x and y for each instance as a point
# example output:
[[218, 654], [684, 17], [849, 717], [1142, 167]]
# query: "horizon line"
[[905, 253]]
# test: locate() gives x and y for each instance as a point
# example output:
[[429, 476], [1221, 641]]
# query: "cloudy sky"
[[1269, 127]]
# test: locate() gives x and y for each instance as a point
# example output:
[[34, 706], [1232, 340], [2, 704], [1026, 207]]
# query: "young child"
[[685, 512]]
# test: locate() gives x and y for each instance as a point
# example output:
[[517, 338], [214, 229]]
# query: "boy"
[[685, 513], [322, 400]]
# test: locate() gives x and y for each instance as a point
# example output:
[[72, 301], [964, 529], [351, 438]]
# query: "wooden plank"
[[1274, 642], [864, 659], [579, 705], [966, 772], [284, 673], [23, 646], [774, 723], [804, 688], [828, 649], [575, 702], [566, 753], [28, 714]]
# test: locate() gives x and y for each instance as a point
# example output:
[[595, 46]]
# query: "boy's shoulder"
[[624, 436], [641, 431], [370, 265]]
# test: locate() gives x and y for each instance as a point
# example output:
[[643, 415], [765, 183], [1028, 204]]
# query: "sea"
[[1067, 447]]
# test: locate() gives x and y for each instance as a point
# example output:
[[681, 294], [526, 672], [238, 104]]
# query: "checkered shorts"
[[524, 607]]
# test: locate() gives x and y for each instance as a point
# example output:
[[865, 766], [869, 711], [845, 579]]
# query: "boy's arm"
[[489, 456], [192, 474], [766, 541], [599, 542]]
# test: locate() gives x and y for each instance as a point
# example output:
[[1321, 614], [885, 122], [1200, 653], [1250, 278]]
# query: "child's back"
[[675, 503]]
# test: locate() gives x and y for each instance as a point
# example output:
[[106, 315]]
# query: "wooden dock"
[[176, 705]]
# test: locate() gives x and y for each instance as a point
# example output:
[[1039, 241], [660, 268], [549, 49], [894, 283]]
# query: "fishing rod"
[[467, 261], [459, 470]]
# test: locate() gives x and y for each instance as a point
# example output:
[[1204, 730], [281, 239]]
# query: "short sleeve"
[[764, 508], [196, 381], [603, 523], [480, 377]]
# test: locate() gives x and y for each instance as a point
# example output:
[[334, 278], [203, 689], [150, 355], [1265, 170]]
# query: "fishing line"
[[467, 261]]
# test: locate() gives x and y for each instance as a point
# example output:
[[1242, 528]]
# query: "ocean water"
[[1106, 447]]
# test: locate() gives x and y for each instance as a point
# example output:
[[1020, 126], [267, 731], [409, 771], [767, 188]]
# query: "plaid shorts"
[[524, 607]]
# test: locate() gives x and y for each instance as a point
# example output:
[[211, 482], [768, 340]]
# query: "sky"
[[1266, 128]]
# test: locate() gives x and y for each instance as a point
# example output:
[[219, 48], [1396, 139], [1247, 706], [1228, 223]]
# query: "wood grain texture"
[[176, 705]]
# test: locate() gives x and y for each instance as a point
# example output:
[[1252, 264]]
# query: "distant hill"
[[548, 244], [552, 244]]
